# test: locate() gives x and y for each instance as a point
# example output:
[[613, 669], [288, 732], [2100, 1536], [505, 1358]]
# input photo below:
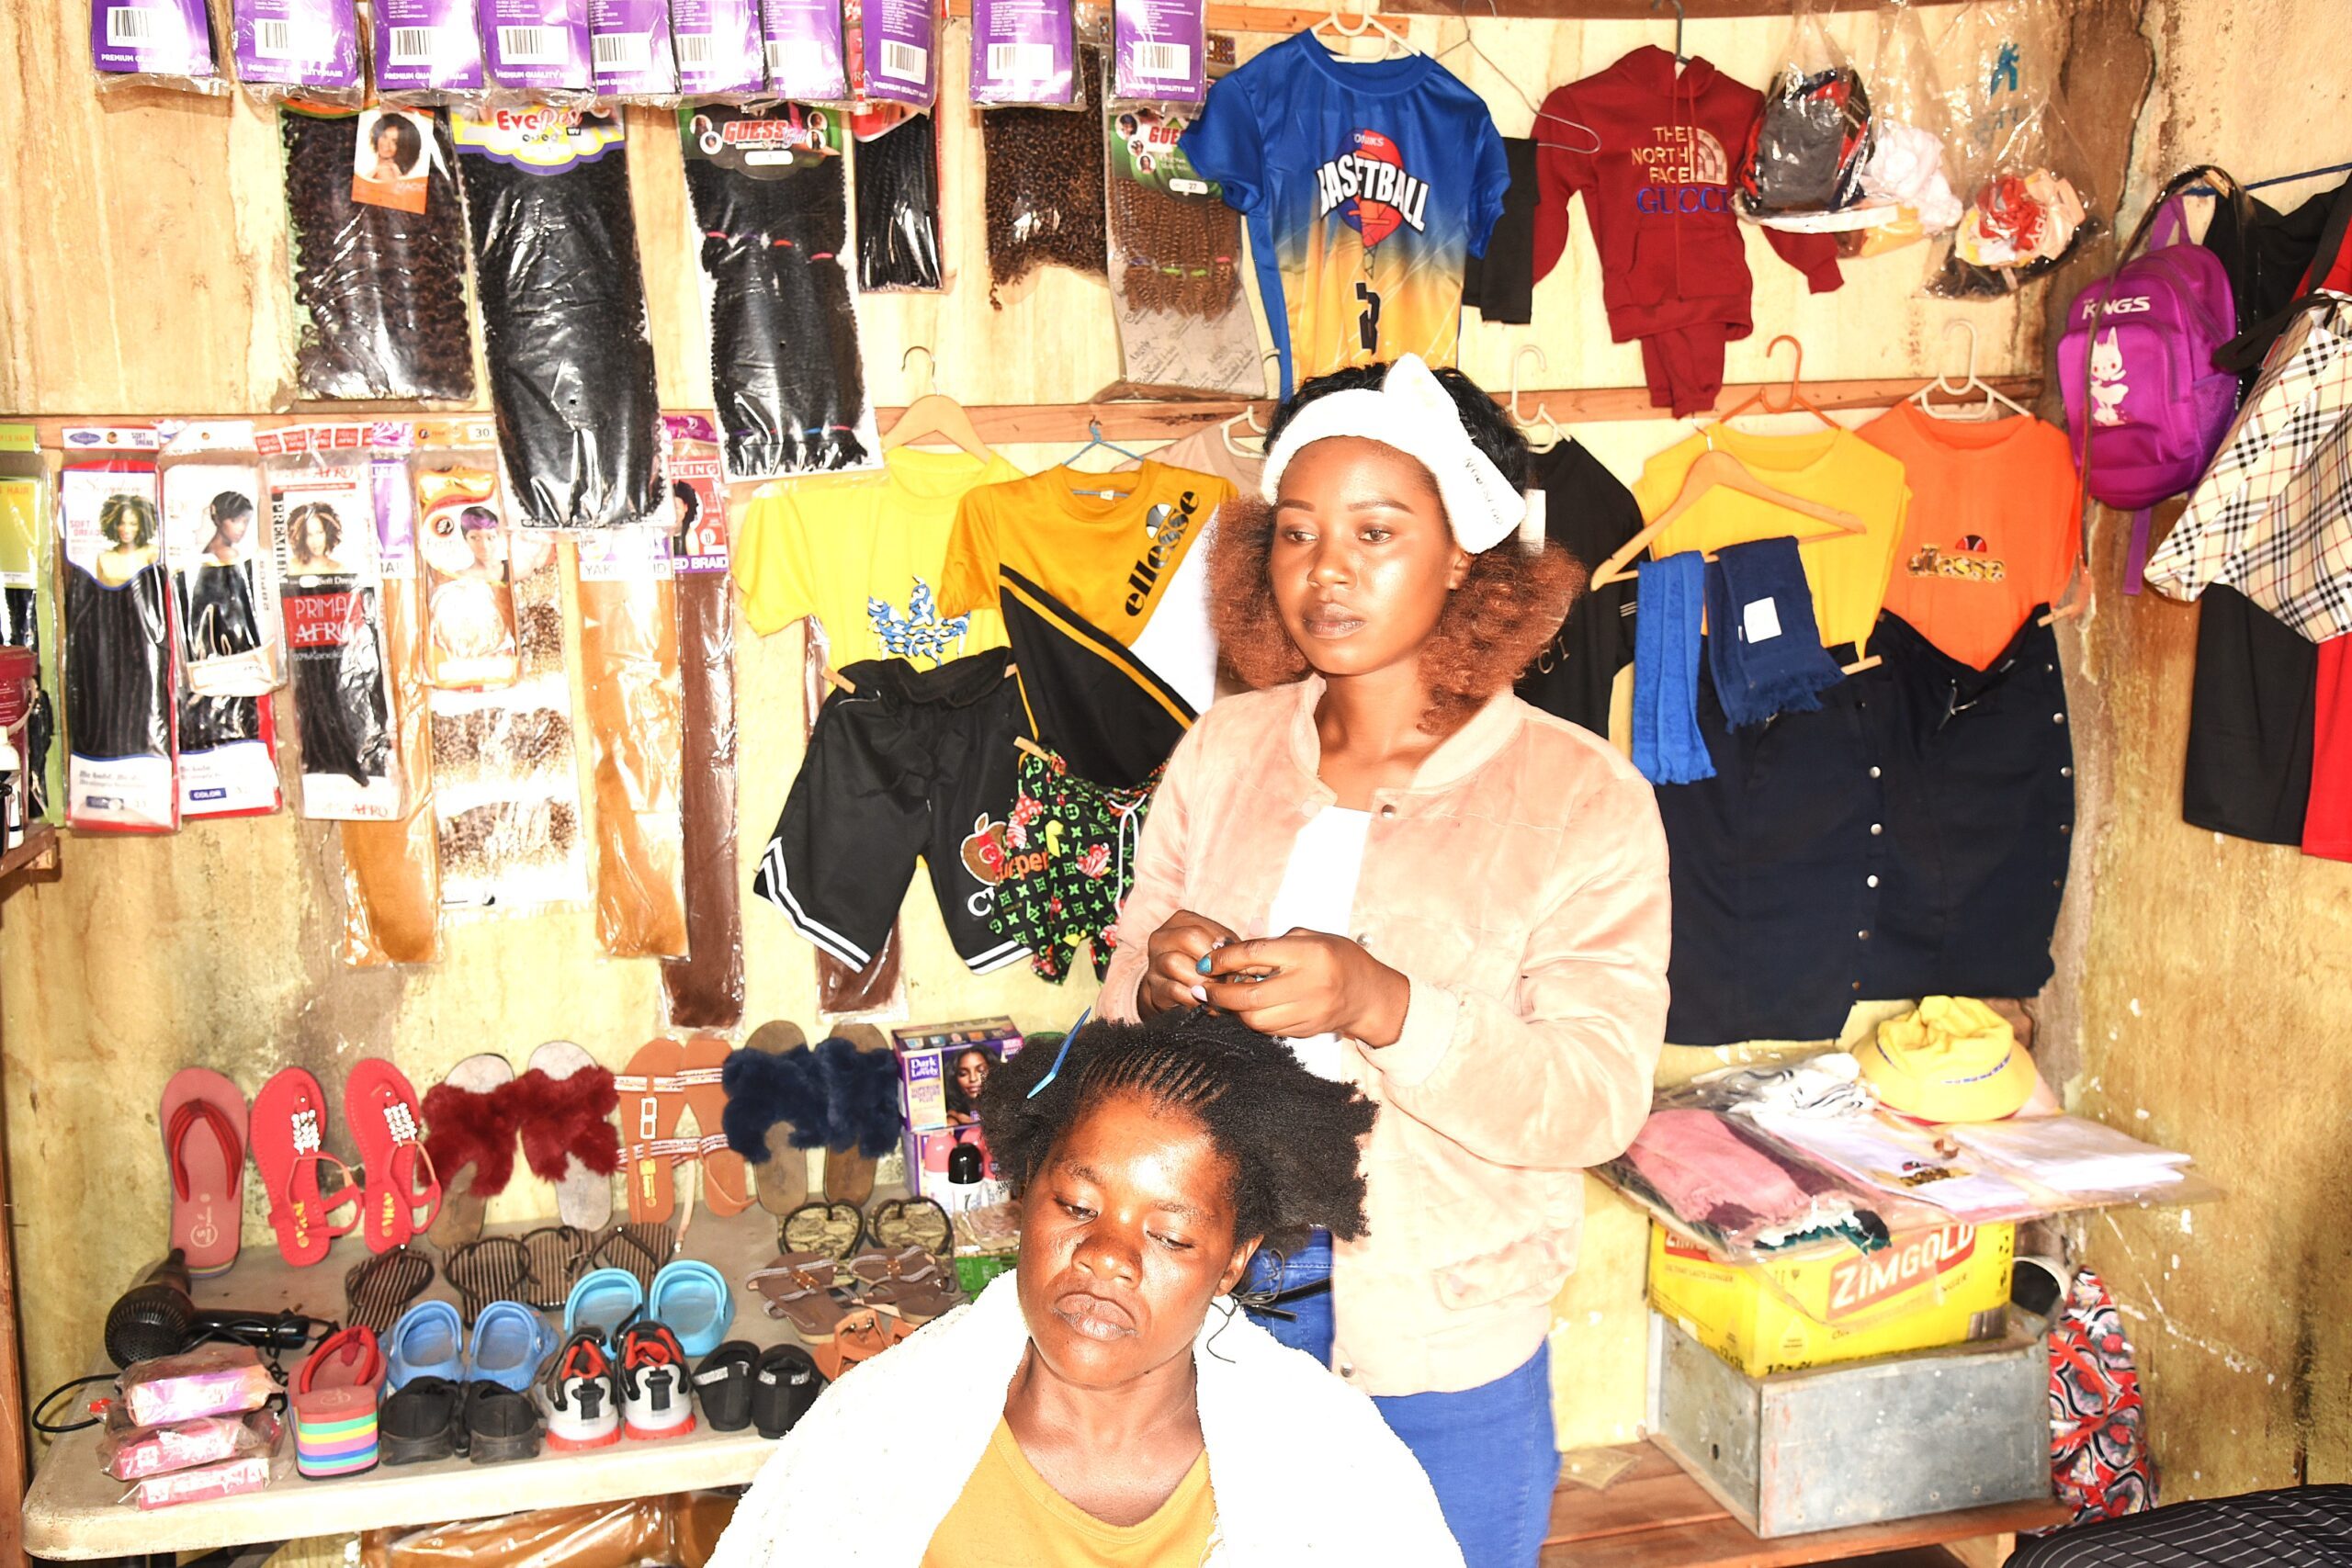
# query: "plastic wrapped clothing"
[[564, 329], [628, 658]]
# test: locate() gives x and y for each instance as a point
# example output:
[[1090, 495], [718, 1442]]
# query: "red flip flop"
[[289, 1116], [203, 1119], [652, 1099], [380, 1107]]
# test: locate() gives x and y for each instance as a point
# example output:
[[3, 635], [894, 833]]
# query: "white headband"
[[1413, 413]]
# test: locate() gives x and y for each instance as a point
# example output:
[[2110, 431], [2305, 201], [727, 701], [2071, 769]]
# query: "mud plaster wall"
[[2213, 974], [143, 276]]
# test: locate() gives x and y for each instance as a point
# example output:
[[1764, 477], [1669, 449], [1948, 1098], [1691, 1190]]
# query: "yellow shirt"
[[1110, 556], [1847, 573], [865, 555], [1007, 1516]]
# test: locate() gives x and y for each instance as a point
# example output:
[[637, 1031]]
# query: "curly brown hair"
[[1495, 622]]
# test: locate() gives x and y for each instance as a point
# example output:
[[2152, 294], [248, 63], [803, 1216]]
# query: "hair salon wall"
[[143, 276]]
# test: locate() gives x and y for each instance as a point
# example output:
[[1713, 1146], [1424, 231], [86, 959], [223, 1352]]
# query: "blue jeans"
[[1487, 1451]]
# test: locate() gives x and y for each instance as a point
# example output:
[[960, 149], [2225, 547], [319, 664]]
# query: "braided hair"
[[1292, 1137]]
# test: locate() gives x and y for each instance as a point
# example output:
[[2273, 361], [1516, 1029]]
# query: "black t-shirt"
[[1501, 283], [1589, 513]]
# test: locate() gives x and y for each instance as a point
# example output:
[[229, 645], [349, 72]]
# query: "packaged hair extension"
[[461, 538], [771, 203], [897, 50], [154, 43], [1175, 264], [704, 988], [1023, 53], [28, 611], [718, 43], [391, 871], [628, 46], [121, 720], [535, 52], [377, 244], [323, 512], [427, 52], [1044, 196], [299, 49], [505, 787], [898, 202], [225, 591], [628, 664], [805, 54], [1159, 53], [563, 315]]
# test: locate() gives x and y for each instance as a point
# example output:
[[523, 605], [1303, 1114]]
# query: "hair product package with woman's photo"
[[427, 52], [392, 870], [628, 666], [704, 988], [771, 204], [505, 785], [28, 618], [297, 49], [462, 547], [121, 720], [224, 584], [563, 315], [154, 43], [323, 511], [377, 242]]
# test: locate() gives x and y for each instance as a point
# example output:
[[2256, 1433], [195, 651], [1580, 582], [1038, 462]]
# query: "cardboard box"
[[927, 1155], [1929, 1287], [940, 1063]]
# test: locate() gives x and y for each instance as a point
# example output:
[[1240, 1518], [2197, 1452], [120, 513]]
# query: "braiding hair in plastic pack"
[[1044, 194], [382, 292], [898, 208], [1174, 254], [785, 368]]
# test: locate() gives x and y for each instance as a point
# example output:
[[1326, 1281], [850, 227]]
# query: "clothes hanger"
[[1796, 400], [1093, 439], [1367, 20], [1970, 382], [1680, 58], [1248, 416], [934, 417], [1542, 413], [1493, 65]]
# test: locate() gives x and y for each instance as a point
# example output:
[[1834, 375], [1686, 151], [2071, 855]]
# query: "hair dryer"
[[158, 1317]]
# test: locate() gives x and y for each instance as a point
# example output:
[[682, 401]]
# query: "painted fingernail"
[[1200, 993], [1203, 966]]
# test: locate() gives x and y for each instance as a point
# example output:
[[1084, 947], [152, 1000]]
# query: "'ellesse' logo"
[[1866, 1282]]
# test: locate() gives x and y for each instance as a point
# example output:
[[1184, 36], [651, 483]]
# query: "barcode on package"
[[623, 51], [792, 57], [275, 39], [1020, 62], [414, 46], [693, 49], [128, 25], [907, 62], [1163, 62], [531, 46]]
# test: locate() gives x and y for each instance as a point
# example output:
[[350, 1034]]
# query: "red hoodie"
[[1658, 194]]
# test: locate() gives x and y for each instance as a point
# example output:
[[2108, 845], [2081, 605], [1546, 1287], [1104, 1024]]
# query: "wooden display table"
[[74, 1510], [1655, 1516]]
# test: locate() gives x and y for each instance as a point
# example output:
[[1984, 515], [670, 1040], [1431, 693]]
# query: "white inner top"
[[1318, 894]]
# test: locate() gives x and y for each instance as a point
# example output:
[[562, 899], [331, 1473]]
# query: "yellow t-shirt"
[[1110, 556], [1847, 573], [865, 555], [1007, 1516]]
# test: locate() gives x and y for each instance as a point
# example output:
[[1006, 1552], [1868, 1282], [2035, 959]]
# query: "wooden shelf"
[[37, 852]]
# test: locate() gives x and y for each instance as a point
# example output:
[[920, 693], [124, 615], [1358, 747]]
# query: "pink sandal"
[[204, 1122]]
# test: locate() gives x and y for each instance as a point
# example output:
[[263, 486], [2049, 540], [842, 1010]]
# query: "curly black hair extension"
[[898, 208], [1294, 1138]]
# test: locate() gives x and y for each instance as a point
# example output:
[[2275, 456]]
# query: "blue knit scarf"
[[1669, 596], [1763, 646]]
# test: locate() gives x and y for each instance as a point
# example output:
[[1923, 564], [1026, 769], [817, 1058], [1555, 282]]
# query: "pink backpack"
[[2146, 406]]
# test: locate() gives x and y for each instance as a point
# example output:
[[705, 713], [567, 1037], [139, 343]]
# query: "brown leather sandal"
[[798, 1288], [906, 1281]]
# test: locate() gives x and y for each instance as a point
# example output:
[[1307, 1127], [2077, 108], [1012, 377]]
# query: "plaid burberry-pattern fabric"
[[2235, 531]]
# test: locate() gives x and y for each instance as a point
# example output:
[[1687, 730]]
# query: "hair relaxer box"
[[1927, 1288]]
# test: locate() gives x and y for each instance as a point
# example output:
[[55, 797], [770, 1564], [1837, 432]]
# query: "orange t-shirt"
[[1992, 530]]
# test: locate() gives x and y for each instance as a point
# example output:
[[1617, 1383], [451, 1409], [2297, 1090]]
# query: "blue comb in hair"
[[1062, 1055]]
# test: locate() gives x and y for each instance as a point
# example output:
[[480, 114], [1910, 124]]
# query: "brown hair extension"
[[1044, 185], [1175, 254], [1504, 609]]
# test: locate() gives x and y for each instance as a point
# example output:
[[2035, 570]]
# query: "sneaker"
[[580, 1394], [654, 1381]]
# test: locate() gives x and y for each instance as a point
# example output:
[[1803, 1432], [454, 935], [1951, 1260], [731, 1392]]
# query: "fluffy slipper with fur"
[[860, 1073], [776, 1111], [564, 1107], [470, 1133]]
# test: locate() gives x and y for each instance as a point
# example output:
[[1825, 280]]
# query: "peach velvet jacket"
[[1519, 883]]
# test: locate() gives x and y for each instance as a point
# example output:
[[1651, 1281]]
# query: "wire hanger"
[[1492, 64], [1367, 20], [1680, 58], [1094, 439], [1551, 425], [934, 416], [1970, 382]]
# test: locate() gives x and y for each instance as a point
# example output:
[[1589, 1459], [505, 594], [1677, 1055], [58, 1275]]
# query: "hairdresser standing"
[[1430, 889]]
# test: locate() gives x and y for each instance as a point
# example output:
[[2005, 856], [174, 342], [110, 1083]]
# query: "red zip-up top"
[[1658, 194]]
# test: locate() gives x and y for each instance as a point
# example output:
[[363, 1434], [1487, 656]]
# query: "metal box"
[[1856, 1442]]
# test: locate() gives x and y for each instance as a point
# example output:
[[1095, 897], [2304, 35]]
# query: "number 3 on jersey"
[[1368, 319]]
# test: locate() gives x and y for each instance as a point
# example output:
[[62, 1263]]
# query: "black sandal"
[[377, 1288], [423, 1421], [502, 1424], [558, 1255], [723, 1384], [786, 1385], [494, 1268], [638, 1247]]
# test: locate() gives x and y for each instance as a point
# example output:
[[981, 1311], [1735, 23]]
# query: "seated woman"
[[1107, 1402]]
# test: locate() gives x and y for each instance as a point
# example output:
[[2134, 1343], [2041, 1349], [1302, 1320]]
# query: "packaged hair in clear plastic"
[[225, 582], [29, 587], [122, 719], [563, 314], [154, 43], [377, 242], [771, 202], [322, 509], [806, 53], [1044, 186], [897, 201], [537, 52], [628, 46], [1175, 262], [718, 43], [629, 666], [1023, 51], [463, 547], [427, 52], [297, 49]]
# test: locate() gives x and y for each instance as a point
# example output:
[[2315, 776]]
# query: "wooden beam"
[[1244, 19]]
